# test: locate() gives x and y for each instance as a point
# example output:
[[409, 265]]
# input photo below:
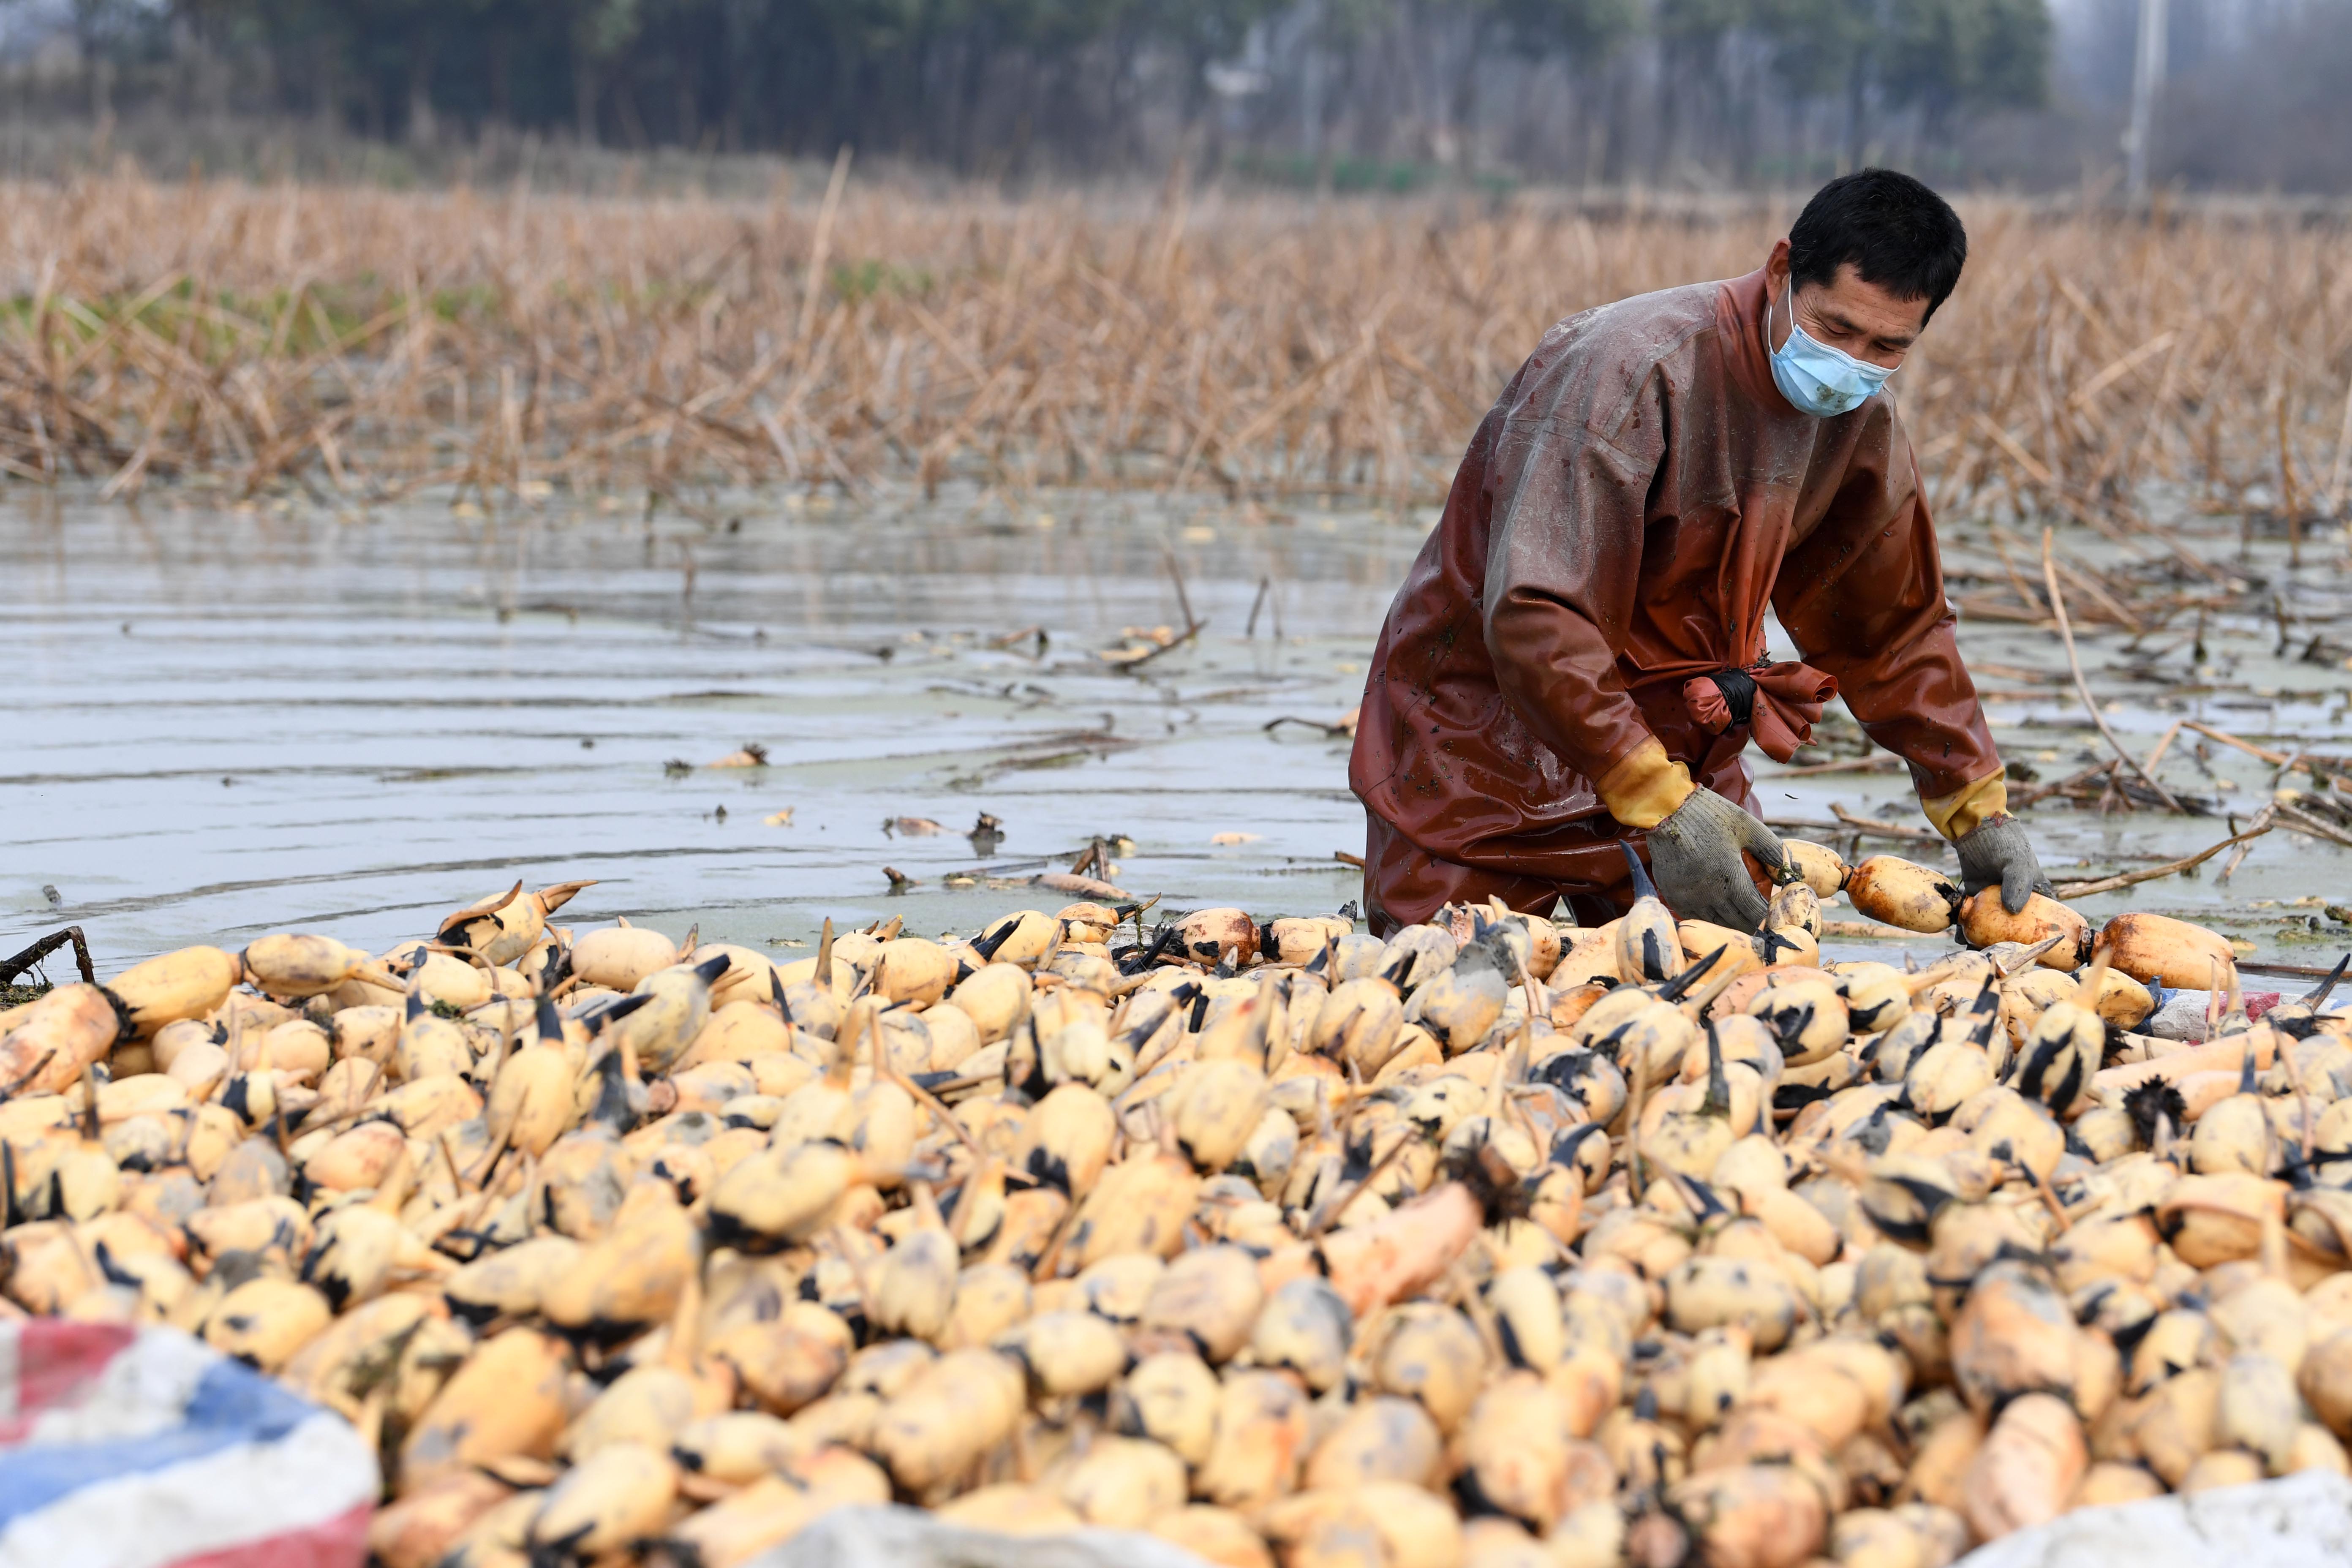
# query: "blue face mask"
[[1817, 378]]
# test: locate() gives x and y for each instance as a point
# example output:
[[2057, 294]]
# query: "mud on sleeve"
[[1563, 567]]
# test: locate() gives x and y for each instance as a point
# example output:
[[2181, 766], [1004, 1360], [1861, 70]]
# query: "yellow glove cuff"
[[1646, 787], [1958, 813]]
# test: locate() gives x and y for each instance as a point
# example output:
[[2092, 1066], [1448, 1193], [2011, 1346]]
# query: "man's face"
[[1859, 318]]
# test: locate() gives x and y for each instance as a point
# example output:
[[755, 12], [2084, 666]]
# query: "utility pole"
[[2148, 81], [1310, 89]]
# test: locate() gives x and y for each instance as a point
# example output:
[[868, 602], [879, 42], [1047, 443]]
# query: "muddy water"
[[221, 721], [2270, 671]]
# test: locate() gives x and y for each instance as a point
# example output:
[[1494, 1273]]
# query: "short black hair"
[[1898, 232]]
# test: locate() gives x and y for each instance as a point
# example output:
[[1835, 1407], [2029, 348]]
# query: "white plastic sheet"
[[2182, 1016], [910, 1538], [2302, 1522]]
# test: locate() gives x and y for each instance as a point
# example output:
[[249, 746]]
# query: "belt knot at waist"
[[1779, 703]]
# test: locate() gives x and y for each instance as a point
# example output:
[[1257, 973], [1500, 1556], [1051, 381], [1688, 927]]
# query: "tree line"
[[1346, 92]]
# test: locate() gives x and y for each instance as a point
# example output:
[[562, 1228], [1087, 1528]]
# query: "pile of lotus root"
[[1501, 1244]]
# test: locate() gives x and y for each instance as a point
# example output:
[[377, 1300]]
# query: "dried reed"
[[377, 342]]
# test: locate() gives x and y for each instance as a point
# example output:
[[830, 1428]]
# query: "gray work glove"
[[1995, 852], [1694, 860]]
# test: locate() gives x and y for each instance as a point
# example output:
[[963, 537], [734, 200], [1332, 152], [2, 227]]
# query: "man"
[[1577, 656]]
